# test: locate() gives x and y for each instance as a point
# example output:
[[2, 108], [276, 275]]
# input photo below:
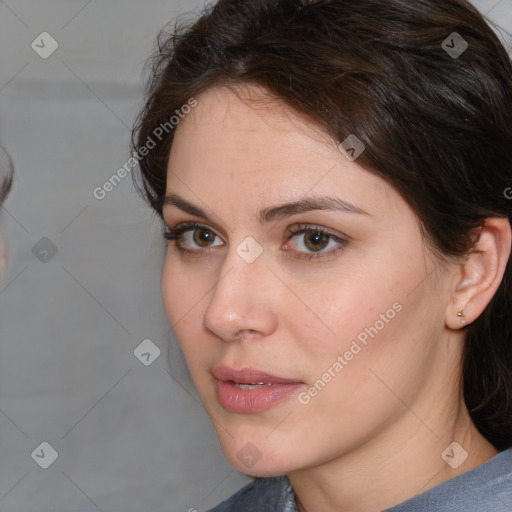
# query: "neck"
[[405, 460]]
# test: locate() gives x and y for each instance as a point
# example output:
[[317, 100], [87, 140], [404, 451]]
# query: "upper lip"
[[248, 376]]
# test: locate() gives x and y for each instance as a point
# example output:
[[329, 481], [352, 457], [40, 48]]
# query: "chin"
[[255, 456], [261, 469]]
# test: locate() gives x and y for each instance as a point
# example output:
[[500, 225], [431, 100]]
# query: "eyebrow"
[[269, 214]]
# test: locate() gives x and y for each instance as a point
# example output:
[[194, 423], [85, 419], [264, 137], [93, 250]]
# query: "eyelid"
[[176, 232], [304, 227], [189, 225], [212, 226]]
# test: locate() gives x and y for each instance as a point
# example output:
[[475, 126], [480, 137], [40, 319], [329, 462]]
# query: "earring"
[[461, 315]]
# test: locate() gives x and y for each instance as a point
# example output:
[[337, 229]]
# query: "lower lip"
[[239, 400]]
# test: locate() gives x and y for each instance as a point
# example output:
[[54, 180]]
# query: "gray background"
[[129, 437]]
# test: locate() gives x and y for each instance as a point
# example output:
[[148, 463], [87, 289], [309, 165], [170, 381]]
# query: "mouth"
[[249, 390], [255, 385]]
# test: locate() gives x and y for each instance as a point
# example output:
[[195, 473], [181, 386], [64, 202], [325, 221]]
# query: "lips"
[[249, 390], [248, 376]]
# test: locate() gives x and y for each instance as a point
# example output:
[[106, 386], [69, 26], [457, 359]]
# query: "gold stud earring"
[[461, 315]]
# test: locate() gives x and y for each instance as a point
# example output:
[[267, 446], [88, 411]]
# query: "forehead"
[[240, 123], [251, 149]]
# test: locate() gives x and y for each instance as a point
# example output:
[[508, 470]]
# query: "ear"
[[481, 273]]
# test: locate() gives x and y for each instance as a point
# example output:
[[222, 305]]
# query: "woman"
[[335, 178]]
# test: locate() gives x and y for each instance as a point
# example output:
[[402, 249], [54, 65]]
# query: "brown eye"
[[311, 242], [203, 237], [192, 236], [316, 240]]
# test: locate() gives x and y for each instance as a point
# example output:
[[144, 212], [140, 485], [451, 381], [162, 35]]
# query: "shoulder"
[[483, 489], [494, 482], [262, 495]]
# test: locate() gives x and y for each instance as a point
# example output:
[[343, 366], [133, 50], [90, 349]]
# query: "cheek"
[[171, 286], [182, 292], [367, 320], [185, 297], [348, 309], [376, 355], [181, 301]]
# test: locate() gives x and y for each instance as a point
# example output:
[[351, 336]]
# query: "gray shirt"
[[486, 488]]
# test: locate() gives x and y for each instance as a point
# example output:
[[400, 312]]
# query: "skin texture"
[[373, 436]]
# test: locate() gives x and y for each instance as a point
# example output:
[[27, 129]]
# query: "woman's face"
[[339, 329]]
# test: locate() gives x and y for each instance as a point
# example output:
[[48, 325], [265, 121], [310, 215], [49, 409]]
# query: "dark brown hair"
[[436, 126]]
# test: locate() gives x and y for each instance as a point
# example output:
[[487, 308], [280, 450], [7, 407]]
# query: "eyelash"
[[175, 234]]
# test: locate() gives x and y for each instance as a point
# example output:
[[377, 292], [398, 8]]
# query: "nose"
[[242, 304]]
